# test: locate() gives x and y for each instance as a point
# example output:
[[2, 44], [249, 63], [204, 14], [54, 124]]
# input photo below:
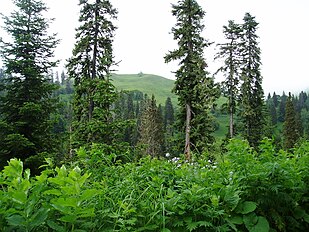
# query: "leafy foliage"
[[242, 191]]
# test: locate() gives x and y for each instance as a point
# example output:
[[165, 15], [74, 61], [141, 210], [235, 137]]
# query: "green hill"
[[146, 83]]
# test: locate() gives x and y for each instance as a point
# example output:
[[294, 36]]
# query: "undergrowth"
[[245, 190]]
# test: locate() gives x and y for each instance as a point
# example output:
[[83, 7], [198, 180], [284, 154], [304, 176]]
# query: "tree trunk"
[[188, 128]]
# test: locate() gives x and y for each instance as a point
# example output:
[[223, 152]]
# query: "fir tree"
[[90, 67], [275, 99], [63, 78], [28, 102], [195, 89], [151, 129], [230, 51], [282, 105], [169, 117], [251, 97], [290, 132]]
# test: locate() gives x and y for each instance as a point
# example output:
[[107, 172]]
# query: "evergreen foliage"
[[28, 102], [231, 53], [194, 87], [291, 131], [90, 67], [151, 129], [252, 95]]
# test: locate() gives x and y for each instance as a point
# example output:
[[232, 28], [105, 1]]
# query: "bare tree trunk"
[[188, 129]]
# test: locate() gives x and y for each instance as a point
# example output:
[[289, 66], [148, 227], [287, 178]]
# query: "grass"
[[147, 83]]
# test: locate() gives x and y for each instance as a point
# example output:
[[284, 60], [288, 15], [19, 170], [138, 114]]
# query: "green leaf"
[[89, 212], [16, 220], [306, 217], [68, 218], [39, 217], [61, 208], [250, 220], [165, 230], [19, 197], [261, 226], [55, 226], [53, 192], [66, 202], [246, 207], [88, 194], [237, 220]]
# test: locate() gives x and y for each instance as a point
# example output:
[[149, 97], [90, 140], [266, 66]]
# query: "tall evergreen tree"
[[230, 51], [28, 102], [151, 129], [252, 95], [282, 105], [195, 89], [90, 66], [290, 132], [169, 117], [275, 99]]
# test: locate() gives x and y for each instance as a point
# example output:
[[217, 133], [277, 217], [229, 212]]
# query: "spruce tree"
[[169, 117], [230, 52], [252, 94], [195, 88], [275, 99], [151, 129], [282, 105], [90, 67], [290, 130], [28, 102]]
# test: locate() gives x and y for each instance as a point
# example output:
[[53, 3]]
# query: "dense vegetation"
[[79, 154], [243, 190]]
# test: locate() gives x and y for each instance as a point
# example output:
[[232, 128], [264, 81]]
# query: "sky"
[[143, 36]]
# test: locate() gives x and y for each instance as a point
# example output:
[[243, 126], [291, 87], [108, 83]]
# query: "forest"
[[80, 153]]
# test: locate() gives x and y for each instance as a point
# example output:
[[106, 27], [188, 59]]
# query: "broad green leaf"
[[69, 218], [16, 220], [19, 197], [39, 217], [66, 202], [53, 192], [247, 207], [55, 226], [61, 208], [236, 220], [250, 220], [261, 226], [88, 194]]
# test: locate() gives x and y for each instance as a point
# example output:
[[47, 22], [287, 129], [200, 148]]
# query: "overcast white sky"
[[143, 36]]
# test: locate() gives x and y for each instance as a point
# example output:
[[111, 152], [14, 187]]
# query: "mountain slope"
[[146, 83]]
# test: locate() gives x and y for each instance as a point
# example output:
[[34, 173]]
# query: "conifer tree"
[[28, 102], [169, 117], [151, 129], [282, 105], [230, 52], [275, 99], [252, 94], [195, 88], [290, 132], [90, 66]]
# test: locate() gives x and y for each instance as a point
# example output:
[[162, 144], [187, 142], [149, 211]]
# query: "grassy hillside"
[[146, 83]]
